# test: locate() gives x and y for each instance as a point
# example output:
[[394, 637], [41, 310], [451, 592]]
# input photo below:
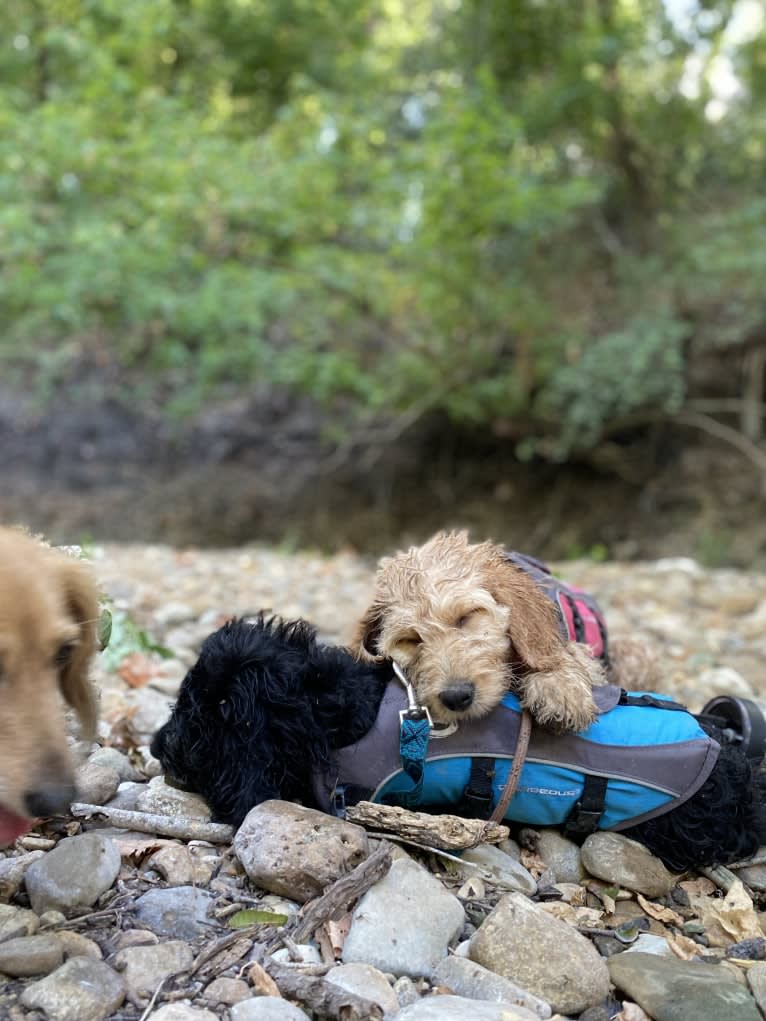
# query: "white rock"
[[365, 981]]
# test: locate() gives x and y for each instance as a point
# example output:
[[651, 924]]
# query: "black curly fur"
[[260, 712], [262, 709]]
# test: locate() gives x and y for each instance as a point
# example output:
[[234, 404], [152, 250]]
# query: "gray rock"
[[182, 1012], [560, 855], [457, 1008], [367, 982], [624, 862], [404, 923], [522, 942], [266, 1008], [30, 955], [308, 953], [96, 784], [127, 795], [145, 967], [753, 876], [12, 872], [80, 990], [148, 710], [162, 799], [756, 980], [228, 991], [406, 991], [180, 911], [295, 851], [15, 922], [672, 990], [76, 872], [116, 760], [503, 870], [468, 979]]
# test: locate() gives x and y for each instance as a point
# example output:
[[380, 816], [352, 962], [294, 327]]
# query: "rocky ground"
[[98, 922]]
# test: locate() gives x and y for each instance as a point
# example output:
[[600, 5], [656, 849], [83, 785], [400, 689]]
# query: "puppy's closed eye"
[[63, 655], [408, 642], [470, 617]]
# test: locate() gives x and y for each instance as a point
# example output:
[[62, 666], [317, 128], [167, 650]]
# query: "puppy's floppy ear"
[[82, 601], [364, 643], [533, 628]]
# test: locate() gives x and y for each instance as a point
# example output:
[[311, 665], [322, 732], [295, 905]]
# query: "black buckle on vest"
[[586, 814], [476, 802]]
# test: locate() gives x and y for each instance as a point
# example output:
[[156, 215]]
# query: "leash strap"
[[414, 731], [519, 757], [586, 814]]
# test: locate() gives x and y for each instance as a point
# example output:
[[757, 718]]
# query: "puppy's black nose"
[[458, 696], [52, 798]]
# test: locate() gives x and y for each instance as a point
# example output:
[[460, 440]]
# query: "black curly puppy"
[[268, 712]]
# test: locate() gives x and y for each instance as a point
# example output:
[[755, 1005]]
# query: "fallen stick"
[[317, 994], [446, 831], [339, 897], [180, 827]]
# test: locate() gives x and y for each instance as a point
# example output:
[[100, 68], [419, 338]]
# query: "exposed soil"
[[259, 469]]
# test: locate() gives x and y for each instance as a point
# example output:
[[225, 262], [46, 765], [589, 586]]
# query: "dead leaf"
[[574, 915], [683, 946], [698, 887], [261, 981], [729, 920], [137, 669], [532, 863], [139, 847], [659, 912]]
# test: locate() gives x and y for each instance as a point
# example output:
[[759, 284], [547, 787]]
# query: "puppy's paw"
[[560, 700]]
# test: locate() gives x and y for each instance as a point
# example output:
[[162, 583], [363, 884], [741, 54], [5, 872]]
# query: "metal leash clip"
[[413, 710]]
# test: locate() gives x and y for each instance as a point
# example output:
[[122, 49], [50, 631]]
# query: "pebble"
[[176, 865], [650, 943], [96, 784], [30, 955], [457, 1008], [80, 990], [404, 923], [406, 991], [368, 982], [162, 799], [182, 1012], [673, 990], [503, 870], [227, 991], [127, 795], [114, 759], [144, 968], [568, 974], [13, 870], [15, 922], [562, 856], [74, 944], [267, 1008], [75, 873], [179, 911], [296, 852], [307, 952], [624, 862], [468, 979]]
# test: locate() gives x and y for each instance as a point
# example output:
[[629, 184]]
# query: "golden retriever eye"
[[63, 654]]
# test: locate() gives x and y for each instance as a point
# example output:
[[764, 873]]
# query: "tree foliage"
[[535, 215]]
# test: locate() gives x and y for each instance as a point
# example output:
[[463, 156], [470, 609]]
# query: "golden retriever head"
[[48, 634]]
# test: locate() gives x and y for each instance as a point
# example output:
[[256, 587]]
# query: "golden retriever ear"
[[533, 628], [367, 633], [76, 685]]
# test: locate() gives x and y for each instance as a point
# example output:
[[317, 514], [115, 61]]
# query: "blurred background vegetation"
[[357, 268]]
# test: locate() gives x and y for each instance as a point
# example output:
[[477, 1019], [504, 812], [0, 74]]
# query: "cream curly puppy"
[[467, 625]]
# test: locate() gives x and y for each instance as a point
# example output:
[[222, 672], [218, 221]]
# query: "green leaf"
[[242, 919]]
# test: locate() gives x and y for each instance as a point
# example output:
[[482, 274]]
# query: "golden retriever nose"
[[458, 696], [51, 798]]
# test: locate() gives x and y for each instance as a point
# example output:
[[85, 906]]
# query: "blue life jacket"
[[643, 756]]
